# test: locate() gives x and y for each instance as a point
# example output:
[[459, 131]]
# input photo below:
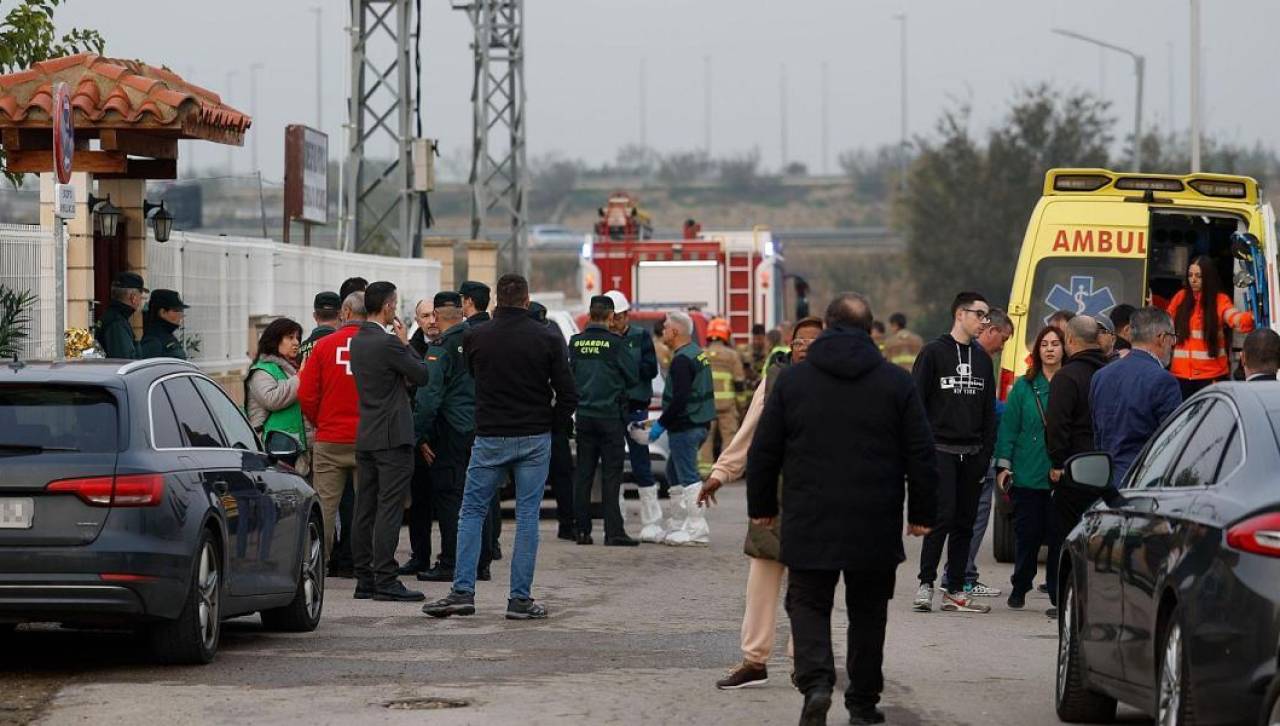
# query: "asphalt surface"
[[636, 636]]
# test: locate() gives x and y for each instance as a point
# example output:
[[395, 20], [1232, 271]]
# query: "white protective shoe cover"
[[650, 515], [695, 530], [622, 503], [676, 509]]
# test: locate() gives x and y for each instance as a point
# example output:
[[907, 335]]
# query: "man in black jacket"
[[1069, 431], [383, 365], [475, 306], [523, 388], [842, 509], [957, 385]]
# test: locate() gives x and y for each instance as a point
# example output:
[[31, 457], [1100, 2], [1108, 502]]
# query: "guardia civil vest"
[[702, 403], [287, 419]]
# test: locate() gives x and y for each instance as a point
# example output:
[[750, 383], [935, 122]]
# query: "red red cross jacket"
[[327, 390]]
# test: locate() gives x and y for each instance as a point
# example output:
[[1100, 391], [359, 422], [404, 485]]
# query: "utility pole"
[[318, 11], [226, 98], [782, 111], [706, 103], [253, 111], [902, 131], [1139, 71], [825, 118], [1170, 121], [1195, 86]]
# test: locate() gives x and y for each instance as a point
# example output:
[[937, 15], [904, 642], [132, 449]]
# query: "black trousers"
[[810, 595], [599, 443], [420, 514], [560, 476], [1069, 506], [959, 486], [383, 477], [448, 480], [1032, 527]]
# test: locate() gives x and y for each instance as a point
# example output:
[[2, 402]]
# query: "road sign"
[[64, 133], [64, 201]]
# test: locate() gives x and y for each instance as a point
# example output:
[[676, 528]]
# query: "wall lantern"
[[106, 216], [161, 219]]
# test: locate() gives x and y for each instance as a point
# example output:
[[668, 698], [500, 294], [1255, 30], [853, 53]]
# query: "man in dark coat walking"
[[848, 433]]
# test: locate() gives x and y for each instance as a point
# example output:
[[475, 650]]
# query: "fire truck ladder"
[[741, 301]]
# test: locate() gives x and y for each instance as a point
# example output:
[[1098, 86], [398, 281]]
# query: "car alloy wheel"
[[208, 581], [312, 571], [1066, 638], [1171, 678]]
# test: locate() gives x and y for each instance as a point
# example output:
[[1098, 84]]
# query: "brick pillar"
[[482, 262], [127, 194], [440, 249], [78, 234]]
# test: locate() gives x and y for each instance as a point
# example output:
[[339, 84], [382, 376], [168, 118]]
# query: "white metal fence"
[[228, 282], [26, 264]]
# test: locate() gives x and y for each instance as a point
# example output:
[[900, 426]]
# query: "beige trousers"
[[760, 620], [331, 465]]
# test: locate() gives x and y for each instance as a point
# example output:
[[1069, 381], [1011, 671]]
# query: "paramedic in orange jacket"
[[1201, 314]]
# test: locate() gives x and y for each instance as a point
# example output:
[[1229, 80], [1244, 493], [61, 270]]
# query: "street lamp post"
[[902, 67], [1139, 70]]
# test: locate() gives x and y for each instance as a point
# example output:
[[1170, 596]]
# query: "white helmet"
[[620, 304]]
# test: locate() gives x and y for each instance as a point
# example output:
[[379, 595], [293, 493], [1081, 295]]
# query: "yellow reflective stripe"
[[725, 395], [903, 358], [1194, 354]]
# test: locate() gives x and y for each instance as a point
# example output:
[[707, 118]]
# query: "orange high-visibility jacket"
[[1192, 359]]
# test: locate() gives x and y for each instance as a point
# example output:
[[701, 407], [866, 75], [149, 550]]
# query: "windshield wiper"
[[36, 447]]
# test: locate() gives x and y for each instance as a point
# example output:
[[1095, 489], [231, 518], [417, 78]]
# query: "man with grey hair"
[[688, 405], [327, 395], [1133, 395], [114, 331], [1069, 430]]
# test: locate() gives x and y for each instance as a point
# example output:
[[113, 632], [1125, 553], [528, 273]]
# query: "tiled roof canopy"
[[121, 95]]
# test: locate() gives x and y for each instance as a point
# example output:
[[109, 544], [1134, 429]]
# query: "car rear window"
[[63, 417]]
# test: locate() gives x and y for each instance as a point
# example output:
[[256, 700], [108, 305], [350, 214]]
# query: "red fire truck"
[[729, 274]]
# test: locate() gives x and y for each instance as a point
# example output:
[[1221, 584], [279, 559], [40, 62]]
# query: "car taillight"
[[129, 490], [1259, 535]]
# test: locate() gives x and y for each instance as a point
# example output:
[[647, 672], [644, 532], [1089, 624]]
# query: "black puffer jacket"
[[845, 428], [1068, 419]]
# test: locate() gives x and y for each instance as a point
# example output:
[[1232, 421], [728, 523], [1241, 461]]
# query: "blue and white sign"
[[1080, 298]]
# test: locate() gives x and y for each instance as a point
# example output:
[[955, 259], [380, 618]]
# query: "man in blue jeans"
[[524, 388], [688, 406]]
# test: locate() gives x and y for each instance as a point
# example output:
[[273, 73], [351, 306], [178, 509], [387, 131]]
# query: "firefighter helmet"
[[719, 328]]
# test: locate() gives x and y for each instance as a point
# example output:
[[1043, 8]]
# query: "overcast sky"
[[583, 67]]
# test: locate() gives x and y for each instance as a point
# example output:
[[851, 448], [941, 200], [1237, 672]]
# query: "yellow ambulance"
[[1099, 238]]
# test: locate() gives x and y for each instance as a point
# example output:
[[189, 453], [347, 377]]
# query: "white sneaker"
[[695, 530], [924, 598], [650, 515], [979, 589], [960, 602]]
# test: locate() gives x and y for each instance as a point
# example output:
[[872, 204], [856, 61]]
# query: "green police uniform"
[[605, 371], [447, 404], [115, 333], [701, 408], [158, 341], [288, 419]]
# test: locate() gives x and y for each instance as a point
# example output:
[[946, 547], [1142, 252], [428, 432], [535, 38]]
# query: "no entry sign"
[[64, 134]]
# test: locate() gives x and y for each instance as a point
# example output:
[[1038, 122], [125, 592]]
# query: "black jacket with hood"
[[957, 384], [1068, 417], [846, 430]]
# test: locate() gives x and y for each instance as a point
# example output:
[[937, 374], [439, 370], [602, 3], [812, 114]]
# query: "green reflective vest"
[[287, 419], [701, 408]]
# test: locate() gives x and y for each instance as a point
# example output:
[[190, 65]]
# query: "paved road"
[[636, 636]]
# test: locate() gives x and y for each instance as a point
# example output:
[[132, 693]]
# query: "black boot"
[[816, 704]]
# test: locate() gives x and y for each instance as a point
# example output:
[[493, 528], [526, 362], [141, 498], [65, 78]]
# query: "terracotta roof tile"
[[111, 93]]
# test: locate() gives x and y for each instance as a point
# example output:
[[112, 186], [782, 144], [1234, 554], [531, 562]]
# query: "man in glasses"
[[957, 384]]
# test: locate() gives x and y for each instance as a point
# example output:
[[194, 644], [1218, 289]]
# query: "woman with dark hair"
[[164, 316], [1022, 461], [271, 387], [1202, 314]]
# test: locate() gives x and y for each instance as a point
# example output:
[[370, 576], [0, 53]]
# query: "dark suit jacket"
[[1264, 377], [383, 368]]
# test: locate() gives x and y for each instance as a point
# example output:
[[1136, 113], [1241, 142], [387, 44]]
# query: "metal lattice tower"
[[379, 203], [498, 175]]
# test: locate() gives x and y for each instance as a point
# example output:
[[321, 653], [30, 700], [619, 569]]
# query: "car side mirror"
[[1090, 472], [282, 447]]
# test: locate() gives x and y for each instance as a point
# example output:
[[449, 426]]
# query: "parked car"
[[1169, 588], [136, 494]]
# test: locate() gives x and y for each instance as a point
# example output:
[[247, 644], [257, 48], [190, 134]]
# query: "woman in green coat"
[[1022, 461], [271, 386]]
